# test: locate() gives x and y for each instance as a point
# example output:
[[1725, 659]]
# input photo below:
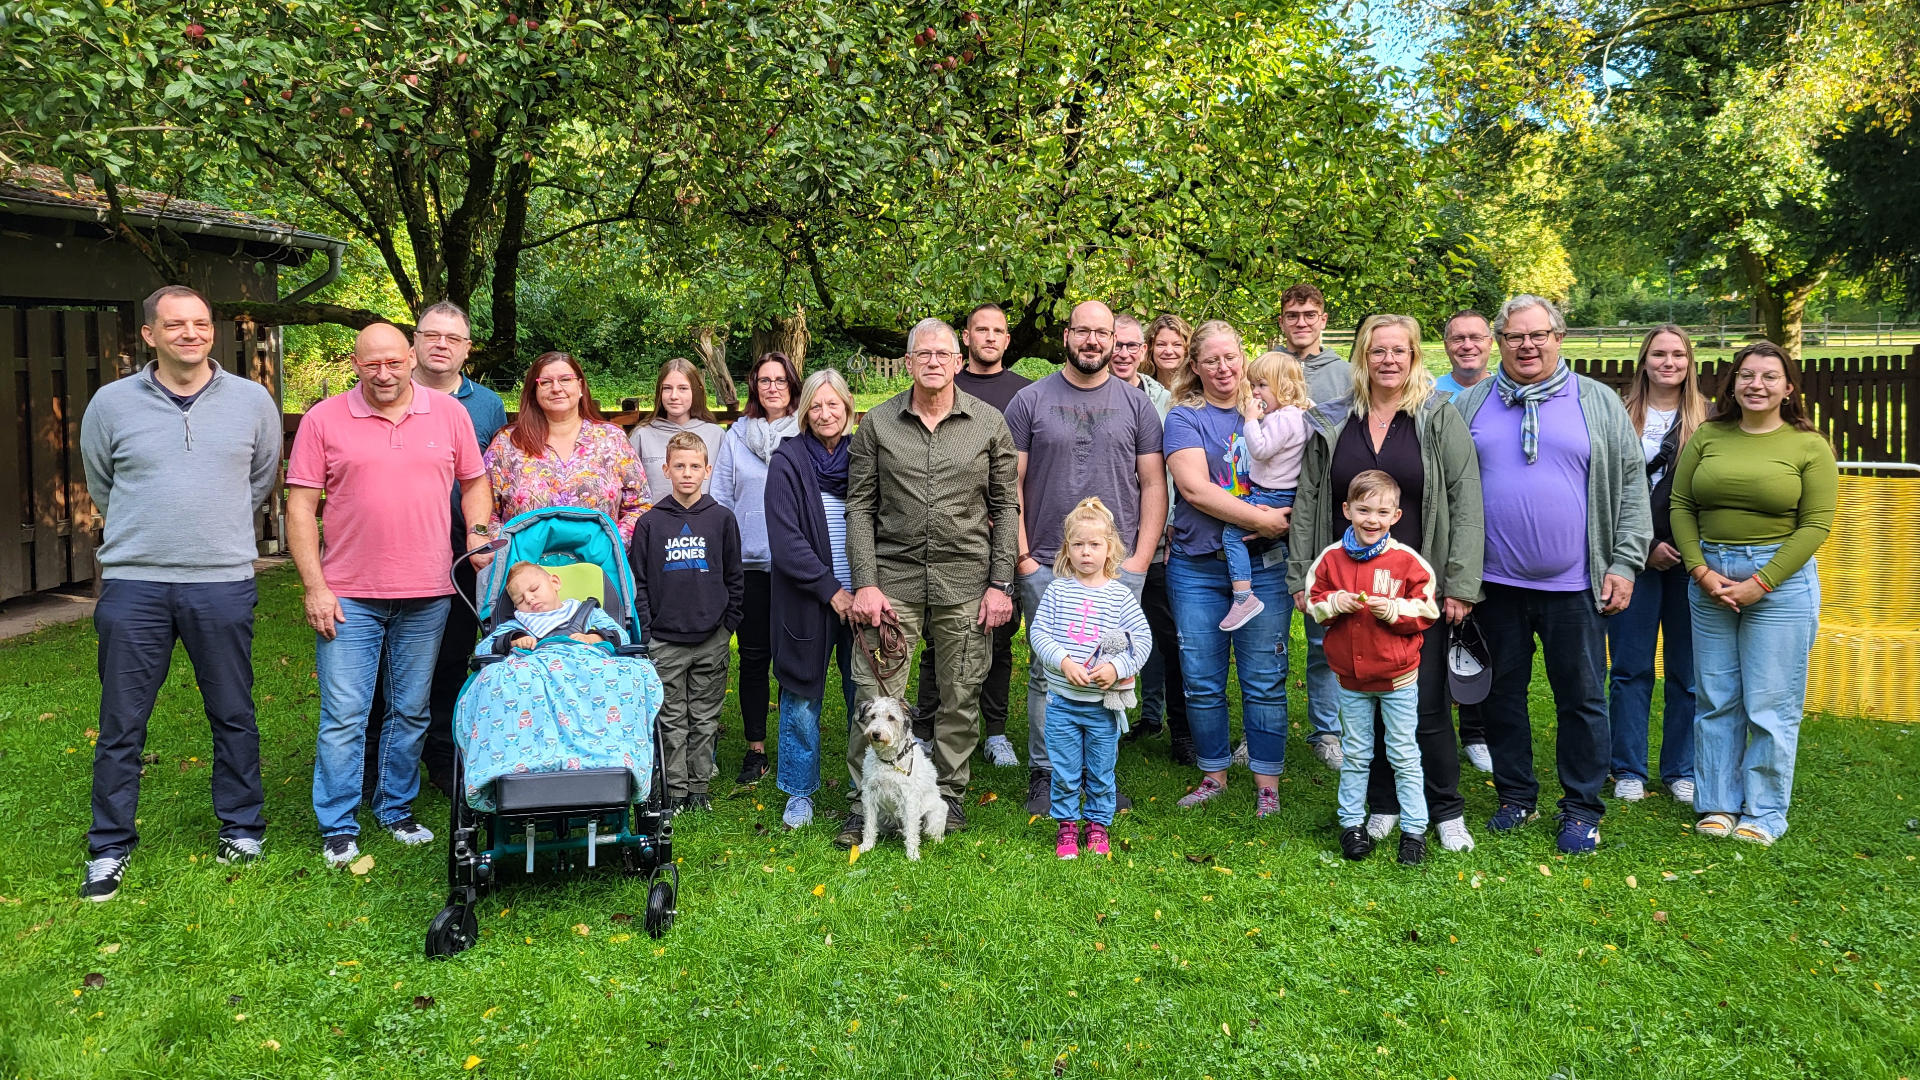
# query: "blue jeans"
[[1323, 686], [1752, 671], [1573, 639], [1083, 742], [1201, 593], [1659, 603], [1399, 710], [400, 641], [797, 772], [1233, 538]]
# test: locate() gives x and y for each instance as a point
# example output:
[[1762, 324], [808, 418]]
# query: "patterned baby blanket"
[[562, 706]]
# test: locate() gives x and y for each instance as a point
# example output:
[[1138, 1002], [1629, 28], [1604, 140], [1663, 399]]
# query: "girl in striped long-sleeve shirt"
[[1091, 638]]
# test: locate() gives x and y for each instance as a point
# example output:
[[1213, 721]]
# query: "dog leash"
[[886, 647]]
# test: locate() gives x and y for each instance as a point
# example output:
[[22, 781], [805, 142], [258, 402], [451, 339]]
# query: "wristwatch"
[[482, 529], [1003, 586]]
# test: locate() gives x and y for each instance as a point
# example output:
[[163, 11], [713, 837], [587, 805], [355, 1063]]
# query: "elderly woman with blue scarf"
[[806, 510]]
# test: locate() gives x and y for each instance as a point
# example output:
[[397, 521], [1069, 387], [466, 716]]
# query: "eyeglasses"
[[1301, 316], [1085, 332], [1129, 346], [1217, 362], [933, 356], [1400, 352], [1537, 337], [436, 338], [562, 382], [768, 383], [391, 367], [1458, 339], [1749, 376]]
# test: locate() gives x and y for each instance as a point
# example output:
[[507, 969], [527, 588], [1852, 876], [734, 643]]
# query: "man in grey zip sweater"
[[178, 459], [1568, 527]]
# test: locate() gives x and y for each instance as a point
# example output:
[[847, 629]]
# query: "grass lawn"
[[1209, 946]]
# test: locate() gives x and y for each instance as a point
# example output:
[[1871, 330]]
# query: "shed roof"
[[41, 191]]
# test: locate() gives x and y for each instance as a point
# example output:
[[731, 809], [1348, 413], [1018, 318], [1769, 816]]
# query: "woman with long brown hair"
[[560, 452], [1666, 407], [1753, 499], [1167, 340]]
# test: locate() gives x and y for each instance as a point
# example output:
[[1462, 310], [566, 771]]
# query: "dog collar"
[[895, 760]]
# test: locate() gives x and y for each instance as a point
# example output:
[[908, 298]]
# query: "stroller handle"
[[491, 547]]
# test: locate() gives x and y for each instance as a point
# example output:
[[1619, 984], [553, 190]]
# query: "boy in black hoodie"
[[688, 589]]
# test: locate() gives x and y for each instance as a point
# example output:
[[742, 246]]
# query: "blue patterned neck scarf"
[[1530, 395], [1362, 552]]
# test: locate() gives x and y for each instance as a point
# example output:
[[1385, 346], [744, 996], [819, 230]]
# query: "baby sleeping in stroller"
[[559, 697]]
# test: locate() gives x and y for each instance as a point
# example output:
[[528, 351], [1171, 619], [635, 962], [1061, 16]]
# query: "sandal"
[[1754, 833], [1717, 825]]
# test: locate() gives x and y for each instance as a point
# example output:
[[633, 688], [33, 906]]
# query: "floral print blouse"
[[603, 474]]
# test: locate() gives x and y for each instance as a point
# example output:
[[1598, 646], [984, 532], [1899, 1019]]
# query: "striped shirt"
[[1073, 619], [836, 508]]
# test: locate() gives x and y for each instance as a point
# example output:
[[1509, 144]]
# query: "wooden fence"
[[1868, 406], [52, 362]]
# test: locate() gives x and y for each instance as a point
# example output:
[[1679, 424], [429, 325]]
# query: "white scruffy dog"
[[897, 781]]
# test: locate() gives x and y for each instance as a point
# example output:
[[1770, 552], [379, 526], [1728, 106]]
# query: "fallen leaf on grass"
[[820, 890], [991, 796], [1223, 870], [1668, 875], [94, 980], [1632, 883], [361, 866], [472, 1061], [488, 1015], [1545, 870], [270, 1044], [622, 917], [853, 854], [618, 938], [1199, 860], [1099, 946], [1659, 916], [1031, 818], [422, 1001], [110, 949], [582, 929], [853, 1026], [46, 716]]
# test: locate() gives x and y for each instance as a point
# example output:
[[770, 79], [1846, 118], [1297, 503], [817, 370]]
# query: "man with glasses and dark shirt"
[[1469, 343], [988, 378]]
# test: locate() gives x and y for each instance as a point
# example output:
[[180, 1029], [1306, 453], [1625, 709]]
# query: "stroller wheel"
[[453, 931], [660, 909]]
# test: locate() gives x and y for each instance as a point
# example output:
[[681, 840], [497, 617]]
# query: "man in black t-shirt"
[[986, 377]]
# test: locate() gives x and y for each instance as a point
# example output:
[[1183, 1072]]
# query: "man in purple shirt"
[[1568, 527]]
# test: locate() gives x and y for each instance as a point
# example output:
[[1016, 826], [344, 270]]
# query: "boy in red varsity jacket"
[[1375, 597]]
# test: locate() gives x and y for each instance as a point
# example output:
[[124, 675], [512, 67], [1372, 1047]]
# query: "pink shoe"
[[1241, 613], [1209, 789], [1266, 801], [1097, 839], [1069, 844]]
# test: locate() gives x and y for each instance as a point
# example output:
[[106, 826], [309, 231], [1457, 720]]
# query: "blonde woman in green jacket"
[[1396, 421]]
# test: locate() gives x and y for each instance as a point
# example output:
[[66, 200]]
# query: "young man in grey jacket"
[[1568, 527], [178, 459]]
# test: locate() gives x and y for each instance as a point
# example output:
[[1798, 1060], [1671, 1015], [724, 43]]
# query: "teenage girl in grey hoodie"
[[679, 404]]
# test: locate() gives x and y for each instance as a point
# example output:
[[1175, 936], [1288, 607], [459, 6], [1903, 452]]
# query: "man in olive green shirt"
[[932, 510]]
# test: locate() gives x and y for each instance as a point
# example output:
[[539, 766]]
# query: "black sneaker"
[[1182, 751], [103, 877], [410, 832], [340, 849], [752, 767], [1355, 844], [956, 816], [1413, 849], [851, 831], [698, 800], [1039, 790], [237, 849], [1143, 730], [1121, 802]]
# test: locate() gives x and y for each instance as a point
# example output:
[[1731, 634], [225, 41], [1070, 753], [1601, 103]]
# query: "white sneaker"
[[1454, 835], [1682, 791], [1327, 749], [411, 832], [1379, 825], [1000, 752], [1479, 756], [340, 850], [1629, 789], [1240, 753]]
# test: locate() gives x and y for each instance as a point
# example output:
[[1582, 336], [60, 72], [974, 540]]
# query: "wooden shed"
[[70, 292]]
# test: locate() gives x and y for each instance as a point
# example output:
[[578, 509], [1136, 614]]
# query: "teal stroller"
[[587, 800]]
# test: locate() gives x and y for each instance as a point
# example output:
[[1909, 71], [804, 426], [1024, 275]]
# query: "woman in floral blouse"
[[559, 452]]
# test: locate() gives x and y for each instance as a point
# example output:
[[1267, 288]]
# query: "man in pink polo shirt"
[[385, 454]]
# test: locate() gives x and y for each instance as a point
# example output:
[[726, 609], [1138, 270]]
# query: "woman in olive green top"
[[1753, 498]]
